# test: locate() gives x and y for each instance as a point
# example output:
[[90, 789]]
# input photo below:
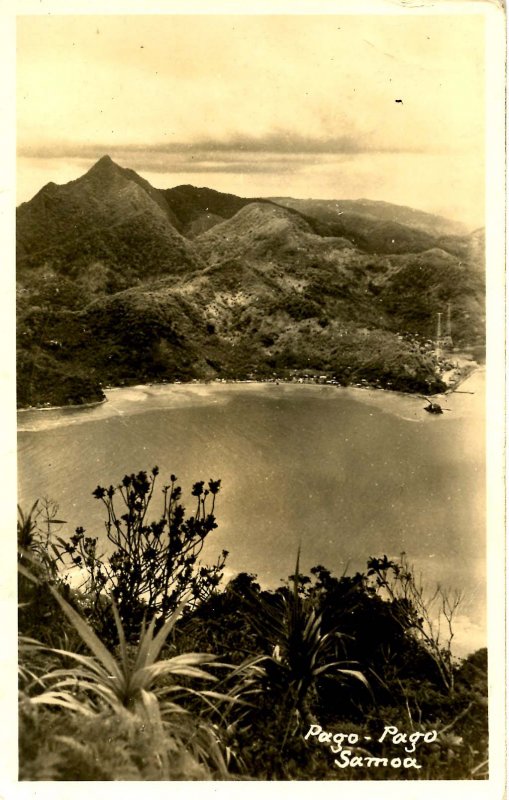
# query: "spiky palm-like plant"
[[36, 549], [302, 652], [131, 680], [134, 683], [136, 687]]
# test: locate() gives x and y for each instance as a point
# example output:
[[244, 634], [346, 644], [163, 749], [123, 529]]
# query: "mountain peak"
[[105, 166], [106, 173]]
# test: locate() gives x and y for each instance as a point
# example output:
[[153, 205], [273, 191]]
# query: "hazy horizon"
[[384, 108]]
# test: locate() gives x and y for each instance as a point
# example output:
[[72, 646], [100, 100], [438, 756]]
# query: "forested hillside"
[[119, 282]]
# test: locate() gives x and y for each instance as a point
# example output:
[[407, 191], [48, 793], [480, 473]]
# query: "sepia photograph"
[[258, 326]]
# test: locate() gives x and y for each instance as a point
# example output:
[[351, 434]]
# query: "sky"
[[381, 107]]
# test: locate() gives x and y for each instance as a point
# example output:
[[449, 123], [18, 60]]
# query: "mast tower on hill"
[[443, 341]]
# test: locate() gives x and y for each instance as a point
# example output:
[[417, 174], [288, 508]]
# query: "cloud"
[[198, 166], [224, 149]]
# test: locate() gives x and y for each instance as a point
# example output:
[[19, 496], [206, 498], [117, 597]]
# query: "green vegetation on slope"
[[241, 681], [110, 292]]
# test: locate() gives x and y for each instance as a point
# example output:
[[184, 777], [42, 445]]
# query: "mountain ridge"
[[422, 220], [119, 282], [107, 211]]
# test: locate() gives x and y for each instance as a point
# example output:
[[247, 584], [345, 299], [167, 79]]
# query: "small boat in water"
[[434, 408]]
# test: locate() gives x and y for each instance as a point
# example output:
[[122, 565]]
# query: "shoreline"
[[62, 408], [462, 378], [270, 382]]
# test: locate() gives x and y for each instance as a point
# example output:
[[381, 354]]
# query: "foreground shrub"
[[302, 682], [114, 747], [167, 714], [153, 564]]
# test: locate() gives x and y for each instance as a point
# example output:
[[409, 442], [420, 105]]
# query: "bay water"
[[343, 473]]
